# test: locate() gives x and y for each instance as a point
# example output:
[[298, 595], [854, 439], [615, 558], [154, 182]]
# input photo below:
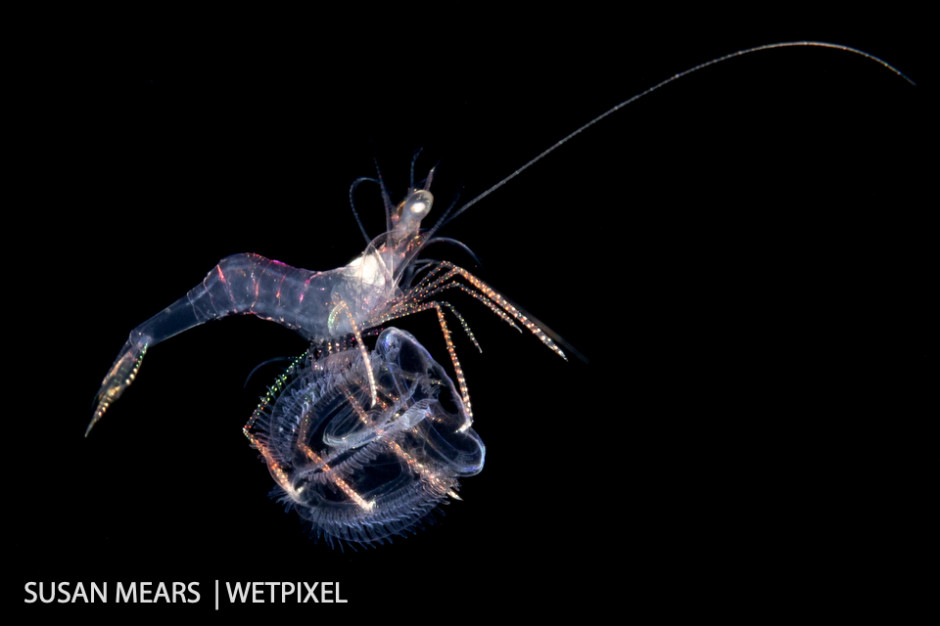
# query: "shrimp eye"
[[417, 204]]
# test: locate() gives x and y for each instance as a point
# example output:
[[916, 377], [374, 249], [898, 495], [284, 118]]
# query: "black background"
[[741, 257]]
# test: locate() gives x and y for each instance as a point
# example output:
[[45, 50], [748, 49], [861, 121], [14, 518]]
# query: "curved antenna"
[[671, 79], [445, 216], [456, 243], [386, 200], [414, 159], [352, 204]]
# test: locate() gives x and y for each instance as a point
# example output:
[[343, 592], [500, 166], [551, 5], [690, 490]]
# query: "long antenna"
[[673, 78]]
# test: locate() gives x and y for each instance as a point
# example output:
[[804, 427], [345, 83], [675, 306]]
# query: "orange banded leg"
[[410, 309], [373, 389], [282, 478], [491, 298]]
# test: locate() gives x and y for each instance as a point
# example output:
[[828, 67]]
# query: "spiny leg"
[[373, 389], [498, 298], [409, 308], [279, 473], [492, 306], [434, 282], [463, 323], [352, 494]]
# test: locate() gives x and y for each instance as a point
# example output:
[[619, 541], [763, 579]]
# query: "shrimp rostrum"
[[385, 407]]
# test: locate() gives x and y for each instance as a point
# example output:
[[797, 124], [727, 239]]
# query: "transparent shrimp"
[[320, 442], [359, 472], [324, 306], [372, 289]]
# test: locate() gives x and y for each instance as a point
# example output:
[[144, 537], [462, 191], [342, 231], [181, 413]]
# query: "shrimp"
[[371, 290], [336, 310]]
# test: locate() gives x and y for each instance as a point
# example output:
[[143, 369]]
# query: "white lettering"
[[28, 587], [64, 592], [101, 592], [258, 592], [237, 589], [128, 594], [79, 594], [162, 594], [287, 589], [311, 591], [329, 589]]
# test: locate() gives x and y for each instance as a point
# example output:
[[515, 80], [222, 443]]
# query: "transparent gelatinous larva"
[[360, 471]]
